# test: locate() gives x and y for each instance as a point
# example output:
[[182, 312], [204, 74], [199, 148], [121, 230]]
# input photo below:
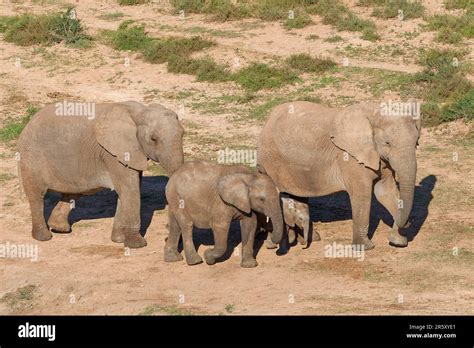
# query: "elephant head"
[[296, 214], [256, 192], [368, 135], [135, 133]]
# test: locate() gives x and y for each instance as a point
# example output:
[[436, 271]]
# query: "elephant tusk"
[[268, 219]]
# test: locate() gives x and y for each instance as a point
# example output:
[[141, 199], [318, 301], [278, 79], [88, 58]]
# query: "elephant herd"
[[304, 150]]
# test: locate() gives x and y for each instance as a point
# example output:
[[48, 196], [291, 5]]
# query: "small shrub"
[[258, 76], [160, 50], [205, 69], [305, 63], [128, 37], [28, 29]]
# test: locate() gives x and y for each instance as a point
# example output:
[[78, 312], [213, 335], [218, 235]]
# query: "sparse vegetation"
[[305, 63], [12, 128], [258, 76], [132, 2], [394, 8], [28, 29], [447, 93], [452, 29], [333, 12], [20, 299], [165, 310]]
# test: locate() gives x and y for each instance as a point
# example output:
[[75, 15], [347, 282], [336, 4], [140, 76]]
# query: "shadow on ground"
[[104, 203], [334, 207]]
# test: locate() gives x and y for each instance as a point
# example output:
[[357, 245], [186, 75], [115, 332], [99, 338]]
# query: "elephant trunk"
[[172, 159], [275, 214], [404, 164], [306, 232]]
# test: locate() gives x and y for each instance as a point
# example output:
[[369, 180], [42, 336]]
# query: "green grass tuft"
[[451, 29], [447, 93], [258, 76], [12, 128], [305, 63], [390, 9]]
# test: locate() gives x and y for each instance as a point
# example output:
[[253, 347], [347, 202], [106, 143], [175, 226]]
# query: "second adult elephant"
[[76, 155], [310, 150]]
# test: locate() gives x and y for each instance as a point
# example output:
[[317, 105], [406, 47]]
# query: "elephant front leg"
[[221, 232], [127, 220], [248, 228], [388, 195], [59, 219], [360, 203]]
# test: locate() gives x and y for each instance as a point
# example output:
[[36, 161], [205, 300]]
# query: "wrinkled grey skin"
[[296, 215], [77, 155], [209, 195], [310, 150]]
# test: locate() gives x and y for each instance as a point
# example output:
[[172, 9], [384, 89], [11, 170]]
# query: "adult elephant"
[[76, 155], [311, 150]]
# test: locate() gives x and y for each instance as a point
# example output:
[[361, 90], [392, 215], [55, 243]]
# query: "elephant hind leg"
[[387, 194], [59, 219], [35, 194], [171, 248]]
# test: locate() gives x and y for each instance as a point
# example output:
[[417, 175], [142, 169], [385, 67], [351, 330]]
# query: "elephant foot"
[[193, 259], [270, 245], [397, 240], [210, 257], [60, 225], [366, 242], [134, 240], [118, 235], [41, 234], [172, 255], [249, 263]]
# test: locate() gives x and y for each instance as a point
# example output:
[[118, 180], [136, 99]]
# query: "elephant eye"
[[387, 143], [153, 138]]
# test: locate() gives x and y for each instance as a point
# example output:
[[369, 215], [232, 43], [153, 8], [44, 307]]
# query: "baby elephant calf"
[[209, 195]]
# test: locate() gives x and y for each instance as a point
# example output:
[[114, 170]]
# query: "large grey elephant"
[[311, 150], [75, 154]]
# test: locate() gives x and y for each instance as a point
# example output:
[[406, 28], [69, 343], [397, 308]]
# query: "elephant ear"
[[234, 190], [116, 132], [288, 213], [353, 133]]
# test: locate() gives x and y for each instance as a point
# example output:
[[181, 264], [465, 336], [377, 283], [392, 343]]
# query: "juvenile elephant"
[[76, 155], [311, 150], [296, 216], [209, 195]]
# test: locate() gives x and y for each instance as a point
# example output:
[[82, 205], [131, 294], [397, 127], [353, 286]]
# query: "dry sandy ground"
[[84, 272]]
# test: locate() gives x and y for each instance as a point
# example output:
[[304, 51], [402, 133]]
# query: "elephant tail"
[[22, 189]]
